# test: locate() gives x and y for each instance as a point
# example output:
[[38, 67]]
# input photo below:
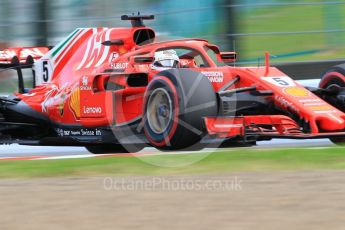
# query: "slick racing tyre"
[[110, 148], [175, 103], [334, 78]]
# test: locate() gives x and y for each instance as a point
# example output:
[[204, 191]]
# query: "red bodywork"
[[71, 81]]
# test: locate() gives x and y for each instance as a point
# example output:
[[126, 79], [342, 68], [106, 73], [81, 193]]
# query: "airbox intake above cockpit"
[[144, 36]]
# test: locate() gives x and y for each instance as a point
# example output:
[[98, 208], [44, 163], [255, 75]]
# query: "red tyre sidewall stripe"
[[176, 112], [329, 76]]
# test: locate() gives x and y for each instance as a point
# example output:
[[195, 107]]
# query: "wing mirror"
[[143, 59], [118, 42], [228, 56]]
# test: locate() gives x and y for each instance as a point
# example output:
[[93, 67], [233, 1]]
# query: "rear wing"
[[21, 58], [23, 55]]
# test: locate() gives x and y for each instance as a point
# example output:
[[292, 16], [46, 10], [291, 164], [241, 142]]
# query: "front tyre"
[[175, 103], [334, 78]]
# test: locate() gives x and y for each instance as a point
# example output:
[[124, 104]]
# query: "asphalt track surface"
[[18, 151]]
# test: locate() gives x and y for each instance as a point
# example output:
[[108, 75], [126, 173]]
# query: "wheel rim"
[[333, 86], [159, 111]]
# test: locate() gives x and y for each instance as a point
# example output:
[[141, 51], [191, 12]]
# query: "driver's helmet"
[[166, 59]]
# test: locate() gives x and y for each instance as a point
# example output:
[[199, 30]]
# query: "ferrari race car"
[[117, 90]]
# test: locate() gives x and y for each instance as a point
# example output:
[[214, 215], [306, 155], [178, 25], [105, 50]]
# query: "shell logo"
[[122, 50], [62, 105], [75, 102], [297, 92]]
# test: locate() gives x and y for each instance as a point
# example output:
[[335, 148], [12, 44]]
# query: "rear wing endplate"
[[21, 58]]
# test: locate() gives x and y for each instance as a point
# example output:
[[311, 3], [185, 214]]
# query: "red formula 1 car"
[[117, 89]]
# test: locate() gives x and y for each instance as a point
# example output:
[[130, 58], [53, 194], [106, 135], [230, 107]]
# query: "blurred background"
[[294, 30]]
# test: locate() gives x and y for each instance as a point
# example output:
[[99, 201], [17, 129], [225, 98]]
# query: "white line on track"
[[67, 157], [56, 155]]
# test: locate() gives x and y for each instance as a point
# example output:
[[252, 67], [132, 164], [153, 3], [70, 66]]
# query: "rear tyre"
[[175, 103], [333, 78]]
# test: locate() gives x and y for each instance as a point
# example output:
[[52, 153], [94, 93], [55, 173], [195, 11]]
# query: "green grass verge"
[[244, 160], [293, 19]]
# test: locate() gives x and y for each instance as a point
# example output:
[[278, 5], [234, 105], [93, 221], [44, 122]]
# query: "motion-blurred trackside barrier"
[[307, 70]]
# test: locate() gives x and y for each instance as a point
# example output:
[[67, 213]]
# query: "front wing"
[[252, 128]]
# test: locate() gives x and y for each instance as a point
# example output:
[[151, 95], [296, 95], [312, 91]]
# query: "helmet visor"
[[167, 63]]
